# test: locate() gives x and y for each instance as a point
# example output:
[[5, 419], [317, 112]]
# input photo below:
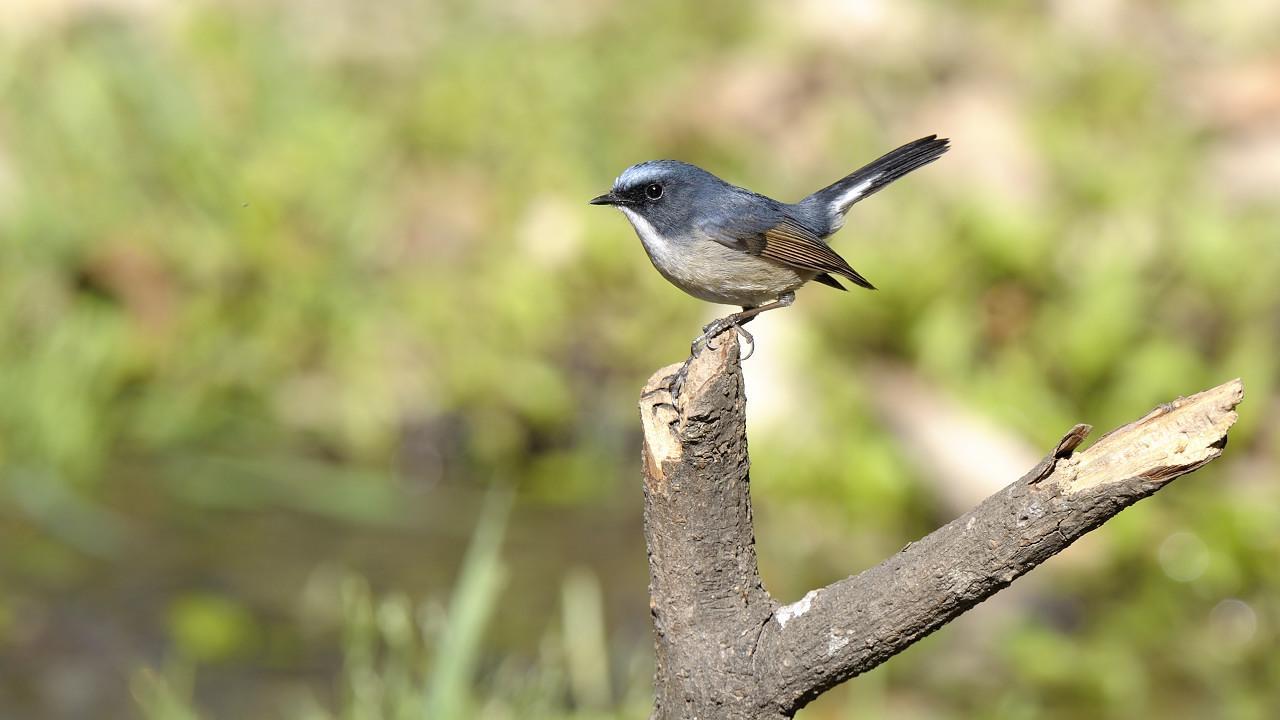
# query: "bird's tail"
[[839, 196]]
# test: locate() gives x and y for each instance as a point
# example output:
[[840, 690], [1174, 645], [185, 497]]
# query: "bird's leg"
[[737, 320], [742, 318]]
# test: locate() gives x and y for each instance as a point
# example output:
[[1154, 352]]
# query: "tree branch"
[[725, 649]]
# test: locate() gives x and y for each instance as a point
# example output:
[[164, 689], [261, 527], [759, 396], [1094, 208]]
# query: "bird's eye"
[[653, 191]]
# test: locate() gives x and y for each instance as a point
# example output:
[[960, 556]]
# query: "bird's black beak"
[[608, 198]]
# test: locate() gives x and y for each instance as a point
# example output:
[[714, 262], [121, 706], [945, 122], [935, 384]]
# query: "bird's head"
[[662, 193]]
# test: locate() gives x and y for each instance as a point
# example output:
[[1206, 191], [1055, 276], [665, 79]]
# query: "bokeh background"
[[318, 375]]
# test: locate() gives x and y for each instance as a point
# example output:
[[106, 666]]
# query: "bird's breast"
[[713, 272]]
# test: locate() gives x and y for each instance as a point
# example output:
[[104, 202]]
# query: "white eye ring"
[[653, 191]]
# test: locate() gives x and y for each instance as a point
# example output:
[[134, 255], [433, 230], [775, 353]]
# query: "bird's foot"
[[716, 327]]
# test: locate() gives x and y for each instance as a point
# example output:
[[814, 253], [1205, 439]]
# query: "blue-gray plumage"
[[725, 244]]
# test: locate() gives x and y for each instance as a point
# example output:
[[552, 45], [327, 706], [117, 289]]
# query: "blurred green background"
[[318, 376]]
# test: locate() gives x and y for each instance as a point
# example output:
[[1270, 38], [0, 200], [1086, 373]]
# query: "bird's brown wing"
[[792, 244]]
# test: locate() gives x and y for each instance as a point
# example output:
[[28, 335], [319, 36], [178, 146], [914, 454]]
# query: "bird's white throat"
[[661, 251]]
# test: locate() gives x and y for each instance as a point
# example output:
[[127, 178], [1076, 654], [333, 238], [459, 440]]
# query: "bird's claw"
[[714, 328], [709, 332]]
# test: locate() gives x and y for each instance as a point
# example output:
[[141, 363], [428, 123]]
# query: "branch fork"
[[726, 649]]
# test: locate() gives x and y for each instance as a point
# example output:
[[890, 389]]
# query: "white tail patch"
[[841, 204]]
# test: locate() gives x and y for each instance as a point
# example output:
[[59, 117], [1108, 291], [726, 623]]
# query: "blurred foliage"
[[286, 287], [404, 660]]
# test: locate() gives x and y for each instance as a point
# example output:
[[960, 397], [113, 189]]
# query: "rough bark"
[[726, 649]]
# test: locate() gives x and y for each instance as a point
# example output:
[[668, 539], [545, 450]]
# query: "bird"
[[725, 244]]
